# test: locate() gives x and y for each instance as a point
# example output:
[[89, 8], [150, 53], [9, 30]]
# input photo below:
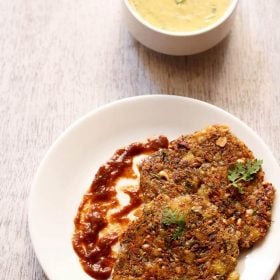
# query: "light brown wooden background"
[[60, 59]]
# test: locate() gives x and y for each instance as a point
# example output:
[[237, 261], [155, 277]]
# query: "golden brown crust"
[[206, 249], [199, 163]]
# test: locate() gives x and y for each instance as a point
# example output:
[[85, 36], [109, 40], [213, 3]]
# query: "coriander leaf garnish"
[[243, 172], [174, 217], [171, 217], [179, 1], [179, 231]]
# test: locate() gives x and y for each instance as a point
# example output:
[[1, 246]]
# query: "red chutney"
[[95, 253]]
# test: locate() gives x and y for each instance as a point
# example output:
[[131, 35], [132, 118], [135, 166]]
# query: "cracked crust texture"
[[207, 249], [199, 163]]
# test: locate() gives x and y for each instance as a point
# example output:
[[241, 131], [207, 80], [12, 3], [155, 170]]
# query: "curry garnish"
[[243, 172], [174, 217], [179, 1]]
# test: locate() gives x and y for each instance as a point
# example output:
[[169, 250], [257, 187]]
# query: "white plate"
[[69, 167]]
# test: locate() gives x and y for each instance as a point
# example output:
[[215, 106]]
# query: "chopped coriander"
[[243, 172], [179, 1], [174, 217], [214, 10]]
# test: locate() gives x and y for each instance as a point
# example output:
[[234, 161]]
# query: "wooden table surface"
[[60, 59]]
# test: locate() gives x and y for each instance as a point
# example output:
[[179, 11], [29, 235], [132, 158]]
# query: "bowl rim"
[[151, 27]]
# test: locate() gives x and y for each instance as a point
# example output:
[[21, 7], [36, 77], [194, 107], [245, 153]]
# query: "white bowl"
[[178, 43]]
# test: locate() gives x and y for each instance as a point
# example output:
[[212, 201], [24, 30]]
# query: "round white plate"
[[69, 167]]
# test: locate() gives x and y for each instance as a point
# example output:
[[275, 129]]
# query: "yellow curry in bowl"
[[180, 15]]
